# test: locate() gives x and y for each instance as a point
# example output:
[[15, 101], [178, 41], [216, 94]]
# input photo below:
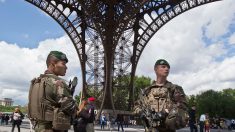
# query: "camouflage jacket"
[[159, 98], [57, 92], [162, 106]]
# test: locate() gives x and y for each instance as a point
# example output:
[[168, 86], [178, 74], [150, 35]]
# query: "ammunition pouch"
[[68, 106], [61, 121], [153, 119], [176, 119]]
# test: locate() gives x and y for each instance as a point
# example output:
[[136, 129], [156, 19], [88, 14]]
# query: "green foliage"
[[91, 93], [191, 100], [140, 83], [120, 91], [215, 103], [12, 108], [77, 98]]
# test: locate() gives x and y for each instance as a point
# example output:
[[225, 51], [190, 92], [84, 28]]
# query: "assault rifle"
[[152, 118], [149, 116], [73, 84]]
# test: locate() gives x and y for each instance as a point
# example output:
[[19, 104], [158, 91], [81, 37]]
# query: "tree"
[[191, 100], [140, 83], [217, 103], [120, 91]]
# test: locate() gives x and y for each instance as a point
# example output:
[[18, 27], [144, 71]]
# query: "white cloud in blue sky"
[[232, 39], [23, 64], [199, 45]]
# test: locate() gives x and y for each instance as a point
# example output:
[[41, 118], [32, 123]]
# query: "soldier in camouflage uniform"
[[162, 106], [56, 104]]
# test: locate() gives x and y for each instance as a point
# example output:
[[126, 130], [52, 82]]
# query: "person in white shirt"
[[202, 122], [17, 118]]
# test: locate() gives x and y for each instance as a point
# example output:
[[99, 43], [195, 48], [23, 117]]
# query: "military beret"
[[59, 55], [162, 62]]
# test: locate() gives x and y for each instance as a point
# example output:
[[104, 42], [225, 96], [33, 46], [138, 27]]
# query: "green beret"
[[161, 62], [59, 55]]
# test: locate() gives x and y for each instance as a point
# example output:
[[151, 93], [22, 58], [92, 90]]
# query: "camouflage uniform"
[[53, 100], [162, 108], [58, 96]]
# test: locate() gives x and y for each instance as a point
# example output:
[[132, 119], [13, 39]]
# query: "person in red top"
[[91, 112]]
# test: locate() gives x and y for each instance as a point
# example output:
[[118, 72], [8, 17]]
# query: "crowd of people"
[[15, 118], [205, 122], [5, 118], [85, 119], [108, 122]]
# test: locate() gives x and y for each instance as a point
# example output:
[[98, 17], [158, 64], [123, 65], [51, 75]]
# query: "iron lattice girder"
[[127, 24], [114, 14]]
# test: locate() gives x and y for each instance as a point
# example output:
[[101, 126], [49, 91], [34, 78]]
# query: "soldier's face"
[[162, 70], [60, 68]]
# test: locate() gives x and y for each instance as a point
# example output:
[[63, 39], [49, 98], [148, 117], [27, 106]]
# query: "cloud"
[[232, 39], [21, 65], [194, 44]]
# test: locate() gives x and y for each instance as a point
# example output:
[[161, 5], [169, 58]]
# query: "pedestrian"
[[192, 119], [102, 120], [202, 122], [3, 119], [16, 119], [90, 108], [51, 101], [109, 125], [126, 120], [232, 124], [119, 121], [207, 123], [7, 119], [81, 118], [162, 106]]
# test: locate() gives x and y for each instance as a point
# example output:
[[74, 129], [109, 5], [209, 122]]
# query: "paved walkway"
[[25, 128]]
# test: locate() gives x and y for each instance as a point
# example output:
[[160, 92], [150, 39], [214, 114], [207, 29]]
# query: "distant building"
[[6, 102]]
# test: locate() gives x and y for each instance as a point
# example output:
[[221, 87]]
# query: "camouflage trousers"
[[158, 130], [46, 127]]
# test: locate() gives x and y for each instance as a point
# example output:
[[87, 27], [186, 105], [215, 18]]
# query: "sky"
[[199, 45]]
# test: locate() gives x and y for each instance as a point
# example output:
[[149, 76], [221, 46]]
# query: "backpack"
[[44, 108], [38, 105]]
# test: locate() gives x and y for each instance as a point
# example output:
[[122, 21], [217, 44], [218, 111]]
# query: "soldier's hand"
[[166, 110], [138, 111]]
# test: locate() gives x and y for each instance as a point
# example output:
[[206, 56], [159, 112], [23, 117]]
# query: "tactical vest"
[[43, 105], [159, 98], [39, 107]]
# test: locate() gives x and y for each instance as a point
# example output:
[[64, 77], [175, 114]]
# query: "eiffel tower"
[[110, 35]]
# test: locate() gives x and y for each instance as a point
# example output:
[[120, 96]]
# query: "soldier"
[[193, 120], [162, 106], [51, 104]]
